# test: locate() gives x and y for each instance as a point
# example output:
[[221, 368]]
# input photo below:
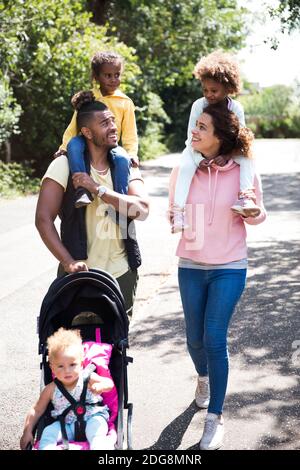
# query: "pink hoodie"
[[215, 235]]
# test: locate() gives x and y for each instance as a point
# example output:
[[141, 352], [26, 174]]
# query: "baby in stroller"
[[75, 394]]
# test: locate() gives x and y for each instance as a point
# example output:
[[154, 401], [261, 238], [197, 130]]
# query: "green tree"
[[45, 50], [272, 112], [288, 11], [10, 112], [169, 35]]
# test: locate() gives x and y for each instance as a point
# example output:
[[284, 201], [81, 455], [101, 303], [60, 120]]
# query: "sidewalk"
[[262, 406]]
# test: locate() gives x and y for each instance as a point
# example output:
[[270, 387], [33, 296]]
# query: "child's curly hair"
[[63, 339], [221, 67], [101, 58]]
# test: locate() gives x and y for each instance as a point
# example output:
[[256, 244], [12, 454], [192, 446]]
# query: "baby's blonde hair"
[[63, 339], [221, 67]]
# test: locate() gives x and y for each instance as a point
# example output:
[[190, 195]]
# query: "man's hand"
[[59, 153], [84, 180], [75, 267]]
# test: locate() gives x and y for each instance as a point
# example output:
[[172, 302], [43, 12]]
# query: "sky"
[[261, 64]]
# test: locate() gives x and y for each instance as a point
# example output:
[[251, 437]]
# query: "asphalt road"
[[262, 405]]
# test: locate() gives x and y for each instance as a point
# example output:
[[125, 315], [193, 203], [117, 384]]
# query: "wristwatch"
[[101, 190]]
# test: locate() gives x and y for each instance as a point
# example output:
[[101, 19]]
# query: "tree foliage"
[[170, 35], [45, 52], [288, 11], [46, 47], [10, 111]]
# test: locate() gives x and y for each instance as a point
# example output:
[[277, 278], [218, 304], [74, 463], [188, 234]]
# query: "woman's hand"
[[84, 180], [249, 193], [205, 163], [220, 160]]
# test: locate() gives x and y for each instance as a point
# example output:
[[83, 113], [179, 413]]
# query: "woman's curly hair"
[[227, 129], [221, 67]]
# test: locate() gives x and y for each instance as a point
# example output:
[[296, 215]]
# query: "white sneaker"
[[246, 207], [202, 392], [82, 201], [213, 433]]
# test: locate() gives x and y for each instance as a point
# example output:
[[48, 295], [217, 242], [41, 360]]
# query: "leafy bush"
[[46, 47], [273, 112], [16, 179], [151, 119], [10, 111]]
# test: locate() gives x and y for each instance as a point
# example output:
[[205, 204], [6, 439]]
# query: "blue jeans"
[[75, 152], [96, 430], [209, 298]]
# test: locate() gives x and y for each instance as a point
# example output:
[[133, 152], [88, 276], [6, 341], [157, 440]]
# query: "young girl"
[[65, 352], [219, 77], [107, 68]]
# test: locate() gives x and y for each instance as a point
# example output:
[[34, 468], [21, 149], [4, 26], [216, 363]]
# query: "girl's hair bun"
[[81, 98]]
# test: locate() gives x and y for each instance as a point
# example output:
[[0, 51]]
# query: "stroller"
[[91, 301]]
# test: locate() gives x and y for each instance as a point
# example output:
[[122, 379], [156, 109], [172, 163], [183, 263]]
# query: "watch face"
[[101, 190]]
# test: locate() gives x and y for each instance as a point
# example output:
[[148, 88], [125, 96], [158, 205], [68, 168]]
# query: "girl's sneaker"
[[82, 198], [213, 433], [202, 392], [246, 207]]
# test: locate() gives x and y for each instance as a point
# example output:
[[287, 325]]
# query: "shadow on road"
[[171, 437], [281, 192]]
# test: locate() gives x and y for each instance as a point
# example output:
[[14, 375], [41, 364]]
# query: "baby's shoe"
[[245, 207], [82, 198]]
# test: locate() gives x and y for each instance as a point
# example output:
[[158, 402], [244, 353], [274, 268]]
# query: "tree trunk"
[[99, 9], [7, 151]]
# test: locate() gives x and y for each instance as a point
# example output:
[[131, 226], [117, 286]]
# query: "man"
[[102, 234]]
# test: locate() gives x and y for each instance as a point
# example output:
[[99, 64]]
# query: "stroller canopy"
[[92, 293]]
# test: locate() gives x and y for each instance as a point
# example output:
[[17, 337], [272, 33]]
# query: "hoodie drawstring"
[[212, 197]]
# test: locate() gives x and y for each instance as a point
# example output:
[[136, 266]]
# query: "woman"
[[213, 258]]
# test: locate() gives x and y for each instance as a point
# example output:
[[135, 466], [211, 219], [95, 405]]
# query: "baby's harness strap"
[[78, 407]]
